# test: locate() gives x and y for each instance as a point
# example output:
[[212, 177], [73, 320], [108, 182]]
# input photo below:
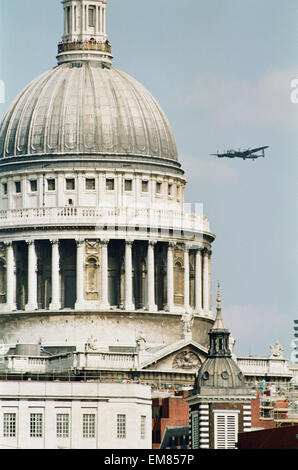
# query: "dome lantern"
[[84, 36]]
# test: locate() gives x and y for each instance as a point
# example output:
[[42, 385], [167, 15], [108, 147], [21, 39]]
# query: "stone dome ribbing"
[[83, 108]]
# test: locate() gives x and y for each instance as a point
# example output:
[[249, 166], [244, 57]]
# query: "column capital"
[[129, 241], [80, 241], [30, 242], [104, 241], [7, 243], [171, 245], [152, 242], [206, 251], [54, 241]]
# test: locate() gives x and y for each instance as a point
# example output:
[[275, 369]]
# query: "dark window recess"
[[4, 188], [33, 185], [158, 188], [18, 186], [90, 184], [51, 185], [70, 184], [110, 184], [91, 15], [128, 185], [144, 186]]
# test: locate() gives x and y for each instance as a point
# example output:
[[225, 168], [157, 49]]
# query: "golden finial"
[[218, 295]]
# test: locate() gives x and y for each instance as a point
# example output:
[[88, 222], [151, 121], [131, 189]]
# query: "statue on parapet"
[[276, 350]]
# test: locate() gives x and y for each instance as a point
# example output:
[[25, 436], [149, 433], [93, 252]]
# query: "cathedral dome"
[[84, 108]]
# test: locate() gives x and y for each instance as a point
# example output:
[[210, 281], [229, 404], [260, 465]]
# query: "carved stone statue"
[[186, 325], [91, 344], [276, 350]]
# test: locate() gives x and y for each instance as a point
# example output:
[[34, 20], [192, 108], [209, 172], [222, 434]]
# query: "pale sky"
[[221, 70]]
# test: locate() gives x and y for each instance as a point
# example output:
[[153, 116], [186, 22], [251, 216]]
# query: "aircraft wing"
[[257, 149]]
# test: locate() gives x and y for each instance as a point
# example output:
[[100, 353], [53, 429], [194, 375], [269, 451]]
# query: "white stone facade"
[[97, 242], [84, 415], [95, 237]]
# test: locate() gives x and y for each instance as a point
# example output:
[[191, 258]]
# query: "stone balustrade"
[[84, 46], [65, 362], [126, 216], [260, 366]]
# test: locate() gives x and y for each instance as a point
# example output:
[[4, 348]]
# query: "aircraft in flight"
[[248, 154]]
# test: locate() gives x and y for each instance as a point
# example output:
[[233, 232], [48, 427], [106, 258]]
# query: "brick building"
[[167, 413]]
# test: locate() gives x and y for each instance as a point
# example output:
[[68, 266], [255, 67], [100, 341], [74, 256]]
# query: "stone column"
[[104, 19], [96, 20], [100, 20], [104, 303], [56, 301], [10, 278], [80, 274], [32, 277], [151, 306], [206, 281], [170, 278], [128, 303], [186, 278], [198, 281]]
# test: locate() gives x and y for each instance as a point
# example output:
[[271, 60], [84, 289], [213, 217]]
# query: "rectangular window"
[[9, 424], [143, 427], [51, 184], [128, 185], [18, 186], [145, 186], [226, 430], [68, 19], [90, 184], [158, 188], [89, 425], [36, 425], [110, 184], [4, 188], [70, 184], [121, 426], [195, 431], [63, 425], [91, 17], [170, 187], [33, 186]]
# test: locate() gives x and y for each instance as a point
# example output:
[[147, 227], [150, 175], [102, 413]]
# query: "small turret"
[[219, 372], [219, 334]]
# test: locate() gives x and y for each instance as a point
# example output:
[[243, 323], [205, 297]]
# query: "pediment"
[[183, 356]]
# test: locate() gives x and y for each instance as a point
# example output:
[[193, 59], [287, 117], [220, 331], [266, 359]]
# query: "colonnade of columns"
[[202, 284], [77, 22]]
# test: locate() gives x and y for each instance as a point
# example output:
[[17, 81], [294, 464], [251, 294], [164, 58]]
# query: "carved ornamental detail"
[[186, 360]]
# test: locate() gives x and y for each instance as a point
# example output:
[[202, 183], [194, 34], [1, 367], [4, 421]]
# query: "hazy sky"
[[221, 70]]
